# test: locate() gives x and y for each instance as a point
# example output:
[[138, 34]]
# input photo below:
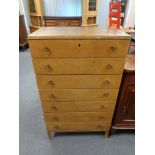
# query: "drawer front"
[[78, 81], [78, 126], [79, 94], [78, 48], [79, 66], [87, 106], [78, 116]]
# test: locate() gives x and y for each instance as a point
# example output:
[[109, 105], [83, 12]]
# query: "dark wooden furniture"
[[62, 21], [124, 116], [22, 32], [33, 28]]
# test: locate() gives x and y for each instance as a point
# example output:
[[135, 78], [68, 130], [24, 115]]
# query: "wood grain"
[[82, 106], [79, 66], [78, 126], [78, 116], [78, 81], [78, 48], [78, 94], [78, 32]]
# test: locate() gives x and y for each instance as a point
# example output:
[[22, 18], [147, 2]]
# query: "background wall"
[[20, 7], [130, 14], [63, 7], [23, 8], [103, 12], [56, 8]]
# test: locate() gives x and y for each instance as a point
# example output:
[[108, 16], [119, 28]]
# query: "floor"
[[33, 138]]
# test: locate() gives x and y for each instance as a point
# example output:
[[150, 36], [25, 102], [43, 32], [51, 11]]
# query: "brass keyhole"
[[79, 44]]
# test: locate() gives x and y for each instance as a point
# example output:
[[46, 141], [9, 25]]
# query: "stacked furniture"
[[22, 32], [124, 116], [36, 12], [62, 21], [78, 72], [89, 12]]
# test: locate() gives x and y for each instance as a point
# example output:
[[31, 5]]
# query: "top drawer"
[[78, 48]]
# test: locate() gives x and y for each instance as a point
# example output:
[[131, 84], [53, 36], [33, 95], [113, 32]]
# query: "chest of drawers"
[[78, 72]]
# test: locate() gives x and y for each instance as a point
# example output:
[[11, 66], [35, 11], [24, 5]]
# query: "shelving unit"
[[123, 10], [89, 12], [35, 8]]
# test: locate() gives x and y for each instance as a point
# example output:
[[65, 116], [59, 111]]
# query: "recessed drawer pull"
[[99, 126], [48, 68], [47, 51], [51, 83], [113, 48], [108, 67], [106, 94], [55, 119], [79, 44], [54, 108], [106, 82], [101, 117], [56, 127], [52, 96]]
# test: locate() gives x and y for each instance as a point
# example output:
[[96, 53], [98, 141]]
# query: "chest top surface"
[[78, 33]]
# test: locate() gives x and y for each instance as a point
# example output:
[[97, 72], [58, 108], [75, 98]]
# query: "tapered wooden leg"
[[50, 134], [107, 134]]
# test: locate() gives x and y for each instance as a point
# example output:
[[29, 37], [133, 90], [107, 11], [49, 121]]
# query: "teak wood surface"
[[81, 106], [78, 126], [78, 94], [78, 81], [79, 66], [78, 32], [79, 48], [78, 116], [78, 72]]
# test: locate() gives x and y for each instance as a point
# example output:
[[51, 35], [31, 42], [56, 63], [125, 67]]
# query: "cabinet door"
[[124, 116], [35, 7], [32, 6], [128, 115], [125, 110], [92, 5]]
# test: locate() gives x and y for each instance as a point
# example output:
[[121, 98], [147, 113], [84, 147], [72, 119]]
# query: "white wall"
[[63, 7], [130, 14], [20, 7], [103, 12], [23, 4]]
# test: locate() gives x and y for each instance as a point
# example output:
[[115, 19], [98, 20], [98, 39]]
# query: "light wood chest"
[[78, 72]]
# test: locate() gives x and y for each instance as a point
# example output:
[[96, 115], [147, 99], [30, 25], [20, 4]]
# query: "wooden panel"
[[124, 116], [91, 106], [78, 48], [79, 32], [78, 126], [78, 116], [36, 21], [33, 28], [51, 23], [74, 23], [59, 21], [78, 94], [78, 81], [79, 66], [22, 31], [129, 104]]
